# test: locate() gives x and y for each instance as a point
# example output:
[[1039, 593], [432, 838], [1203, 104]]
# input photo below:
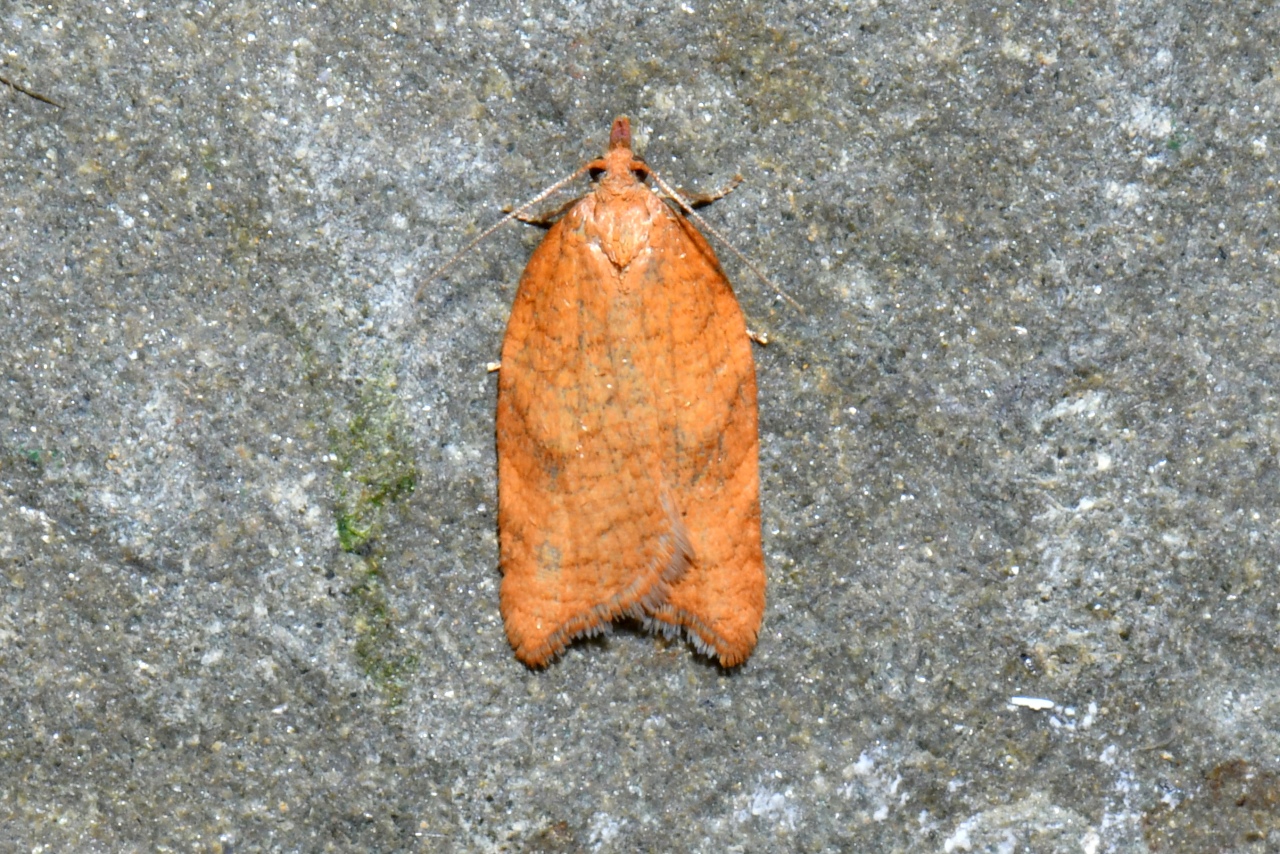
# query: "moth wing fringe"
[[678, 554]]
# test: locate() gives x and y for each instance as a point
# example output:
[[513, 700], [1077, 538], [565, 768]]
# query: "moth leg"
[[543, 219], [701, 200]]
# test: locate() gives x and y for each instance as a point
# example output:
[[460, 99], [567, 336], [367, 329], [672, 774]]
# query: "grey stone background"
[[1021, 441]]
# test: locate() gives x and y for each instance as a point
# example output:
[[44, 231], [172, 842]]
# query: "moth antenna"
[[514, 214], [696, 217]]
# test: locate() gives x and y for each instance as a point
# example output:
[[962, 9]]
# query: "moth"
[[628, 483]]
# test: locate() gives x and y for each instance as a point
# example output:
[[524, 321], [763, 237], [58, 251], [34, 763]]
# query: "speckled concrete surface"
[[1021, 442]]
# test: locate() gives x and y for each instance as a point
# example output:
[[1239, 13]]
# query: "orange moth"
[[628, 481]]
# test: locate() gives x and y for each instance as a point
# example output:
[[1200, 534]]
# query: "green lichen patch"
[[35, 458], [375, 468], [379, 648], [374, 474]]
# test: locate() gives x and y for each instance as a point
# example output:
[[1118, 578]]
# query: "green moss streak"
[[374, 472]]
